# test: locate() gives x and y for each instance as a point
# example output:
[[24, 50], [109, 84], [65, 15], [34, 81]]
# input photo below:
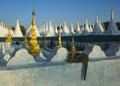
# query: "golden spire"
[[34, 47], [59, 36], [25, 40], [73, 49], [9, 38]]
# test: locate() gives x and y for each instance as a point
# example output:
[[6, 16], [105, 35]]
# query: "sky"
[[57, 11]]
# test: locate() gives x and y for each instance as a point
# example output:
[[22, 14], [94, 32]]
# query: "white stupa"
[[81, 28], [21, 57], [86, 30], [72, 29], [94, 51], [1, 23], [101, 26], [78, 31], [55, 30], [50, 30], [112, 28], [18, 32], [65, 31], [46, 27], [4, 29], [90, 27], [97, 30]]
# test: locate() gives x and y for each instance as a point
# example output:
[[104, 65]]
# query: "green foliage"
[[118, 24], [13, 28], [106, 25]]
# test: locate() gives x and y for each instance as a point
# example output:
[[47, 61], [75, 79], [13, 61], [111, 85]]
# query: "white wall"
[[100, 73]]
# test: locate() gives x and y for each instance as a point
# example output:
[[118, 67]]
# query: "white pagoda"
[[65, 30], [86, 30], [18, 32], [97, 30], [72, 30], [50, 29], [112, 28], [78, 31]]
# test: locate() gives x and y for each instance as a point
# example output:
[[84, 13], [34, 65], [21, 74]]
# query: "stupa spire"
[[34, 47], [97, 18], [112, 14], [25, 40], [73, 49], [78, 26], [59, 36], [9, 38]]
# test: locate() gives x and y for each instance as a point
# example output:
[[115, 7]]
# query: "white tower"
[[112, 28], [50, 30], [86, 30], [18, 32], [97, 30], [65, 31]]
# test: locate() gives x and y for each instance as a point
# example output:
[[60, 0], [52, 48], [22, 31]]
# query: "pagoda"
[[86, 30], [112, 28], [73, 48], [98, 29], [18, 32], [9, 38], [8, 41], [34, 48]]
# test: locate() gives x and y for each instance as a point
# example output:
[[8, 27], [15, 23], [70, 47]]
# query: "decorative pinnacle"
[[9, 38], [73, 49], [59, 36], [33, 12], [112, 14], [97, 18], [25, 40]]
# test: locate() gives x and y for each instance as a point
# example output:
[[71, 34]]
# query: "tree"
[[23, 30], [118, 24]]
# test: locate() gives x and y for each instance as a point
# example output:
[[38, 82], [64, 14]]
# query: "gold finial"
[[9, 38], [25, 40], [33, 12], [34, 47], [73, 49], [59, 36]]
